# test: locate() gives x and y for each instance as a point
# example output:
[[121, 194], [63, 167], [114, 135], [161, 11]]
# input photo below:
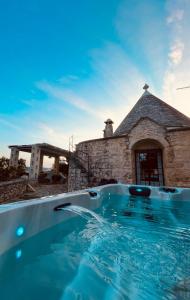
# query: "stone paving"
[[41, 190]]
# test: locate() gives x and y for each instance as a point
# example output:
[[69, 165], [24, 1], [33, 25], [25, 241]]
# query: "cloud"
[[53, 135], [142, 30], [175, 16], [9, 124], [110, 91], [177, 73], [30, 102], [176, 52], [175, 21], [67, 79], [69, 96], [152, 48]]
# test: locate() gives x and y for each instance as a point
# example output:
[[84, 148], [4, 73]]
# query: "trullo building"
[[151, 146]]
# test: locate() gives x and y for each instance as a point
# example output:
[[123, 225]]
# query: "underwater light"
[[139, 190], [18, 253], [20, 231]]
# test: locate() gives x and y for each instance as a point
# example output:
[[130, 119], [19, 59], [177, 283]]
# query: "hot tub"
[[110, 242]]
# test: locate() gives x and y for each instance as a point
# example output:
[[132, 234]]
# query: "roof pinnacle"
[[145, 87]]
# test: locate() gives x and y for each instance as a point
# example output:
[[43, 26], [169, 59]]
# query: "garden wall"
[[12, 190]]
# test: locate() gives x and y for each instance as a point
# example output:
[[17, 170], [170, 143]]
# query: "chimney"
[[108, 131]]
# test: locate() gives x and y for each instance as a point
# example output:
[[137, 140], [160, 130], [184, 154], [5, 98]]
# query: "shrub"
[[42, 178], [56, 178], [7, 172], [104, 181]]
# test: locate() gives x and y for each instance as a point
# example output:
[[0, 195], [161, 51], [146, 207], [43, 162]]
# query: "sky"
[[67, 66]]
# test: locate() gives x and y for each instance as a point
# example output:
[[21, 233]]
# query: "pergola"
[[38, 151]]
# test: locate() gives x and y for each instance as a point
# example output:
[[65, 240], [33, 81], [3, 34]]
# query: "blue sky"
[[66, 66]]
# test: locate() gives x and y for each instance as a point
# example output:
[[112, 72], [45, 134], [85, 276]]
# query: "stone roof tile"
[[149, 106]]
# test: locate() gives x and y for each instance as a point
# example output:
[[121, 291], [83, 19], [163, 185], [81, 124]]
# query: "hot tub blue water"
[[139, 251]]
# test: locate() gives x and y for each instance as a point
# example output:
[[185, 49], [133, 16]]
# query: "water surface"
[[140, 251]]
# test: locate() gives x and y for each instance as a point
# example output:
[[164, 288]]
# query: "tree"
[[21, 167], [7, 172], [4, 168]]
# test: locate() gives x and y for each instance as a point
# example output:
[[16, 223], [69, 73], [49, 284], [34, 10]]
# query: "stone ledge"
[[14, 181], [11, 190]]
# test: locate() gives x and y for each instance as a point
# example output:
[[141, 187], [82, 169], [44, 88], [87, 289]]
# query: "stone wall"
[[114, 157], [104, 158], [12, 190], [178, 158], [147, 129]]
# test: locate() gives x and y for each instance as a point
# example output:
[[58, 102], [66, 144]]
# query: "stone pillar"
[[56, 165], [14, 157], [41, 163], [34, 163]]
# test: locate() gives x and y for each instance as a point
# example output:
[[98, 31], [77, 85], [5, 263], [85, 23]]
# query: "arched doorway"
[[149, 163]]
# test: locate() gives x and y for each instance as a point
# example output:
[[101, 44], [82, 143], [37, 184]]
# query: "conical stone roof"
[[149, 106]]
